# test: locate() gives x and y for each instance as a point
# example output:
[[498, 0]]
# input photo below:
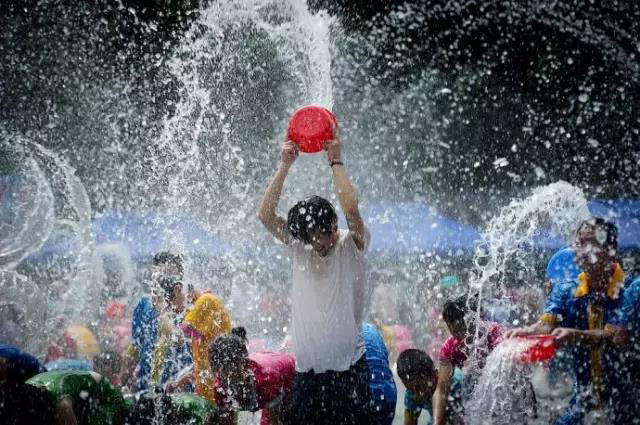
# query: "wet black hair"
[[107, 359], [308, 216], [230, 349], [455, 309], [610, 229], [25, 404], [413, 363], [152, 406], [168, 283], [166, 257]]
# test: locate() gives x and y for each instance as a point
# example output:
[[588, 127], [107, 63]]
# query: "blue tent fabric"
[[624, 214], [413, 228], [144, 234]]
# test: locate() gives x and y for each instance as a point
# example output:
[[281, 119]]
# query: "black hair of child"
[[230, 349], [413, 362], [457, 308]]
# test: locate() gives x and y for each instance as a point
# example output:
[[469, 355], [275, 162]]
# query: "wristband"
[[336, 163]]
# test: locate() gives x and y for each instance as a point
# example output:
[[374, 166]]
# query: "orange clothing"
[[205, 322]]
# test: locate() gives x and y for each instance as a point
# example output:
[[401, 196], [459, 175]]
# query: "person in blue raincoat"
[[586, 315], [561, 268], [161, 357], [631, 321], [381, 383]]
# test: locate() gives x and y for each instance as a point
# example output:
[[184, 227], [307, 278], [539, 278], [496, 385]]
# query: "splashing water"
[[509, 244], [503, 393], [234, 68]]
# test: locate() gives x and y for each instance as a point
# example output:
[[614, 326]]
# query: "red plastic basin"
[[544, 348], [310, 126]]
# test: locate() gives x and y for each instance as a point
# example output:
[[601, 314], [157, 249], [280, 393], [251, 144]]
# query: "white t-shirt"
[[327, 300]]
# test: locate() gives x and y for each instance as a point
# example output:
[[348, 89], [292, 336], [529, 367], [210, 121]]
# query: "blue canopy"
[[145, 234], [625, 215], [413, 228]]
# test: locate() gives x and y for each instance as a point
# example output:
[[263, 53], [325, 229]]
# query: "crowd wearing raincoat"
[[161, 357], [204, 322]]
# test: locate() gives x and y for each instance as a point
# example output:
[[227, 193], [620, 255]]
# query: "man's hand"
[[334, 150], [289, 153], [538, 328], [564, 336], [513, 333]]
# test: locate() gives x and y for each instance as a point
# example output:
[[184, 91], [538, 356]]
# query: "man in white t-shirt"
[[331, 382]]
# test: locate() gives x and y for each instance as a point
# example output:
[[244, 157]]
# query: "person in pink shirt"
[[460, 315], [251, 381]]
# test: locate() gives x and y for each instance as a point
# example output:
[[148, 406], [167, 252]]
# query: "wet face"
[[592, 254], [458, 329], [179, 298], [166, 271], [322, 242]]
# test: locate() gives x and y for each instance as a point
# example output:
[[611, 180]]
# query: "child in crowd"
[[460, 315], [203, 323], [161, 352], [109, 364], [251, 382], [419, 375]]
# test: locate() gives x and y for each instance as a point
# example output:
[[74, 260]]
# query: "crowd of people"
[[178, 359]]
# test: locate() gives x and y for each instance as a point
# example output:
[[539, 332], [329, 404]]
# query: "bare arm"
[[539, 328], [441, 394], [64, 412], [591, 338], [267, 214], [410, 419], [346, 193]]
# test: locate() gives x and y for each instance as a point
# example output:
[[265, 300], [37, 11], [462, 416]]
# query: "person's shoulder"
[[632, 290], [144, 304], [564, 290]]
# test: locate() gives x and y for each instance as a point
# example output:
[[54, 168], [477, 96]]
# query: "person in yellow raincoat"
[[204, 323]]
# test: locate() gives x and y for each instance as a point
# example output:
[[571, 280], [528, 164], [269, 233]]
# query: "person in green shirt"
[[82, 397], [420, 377]]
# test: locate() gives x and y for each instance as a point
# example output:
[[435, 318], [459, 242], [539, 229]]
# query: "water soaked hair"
[[154, 406], [165, 257], [309, 216], [168, 283], [609, 229], [457, 308], [107, 361], [413, 363], [229, 350], [25, 404]]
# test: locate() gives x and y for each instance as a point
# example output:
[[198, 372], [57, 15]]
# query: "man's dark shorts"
[[333, 398]]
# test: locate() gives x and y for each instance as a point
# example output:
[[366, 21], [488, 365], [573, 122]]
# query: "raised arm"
[[267, 214], [346, 193], [441, 394]]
